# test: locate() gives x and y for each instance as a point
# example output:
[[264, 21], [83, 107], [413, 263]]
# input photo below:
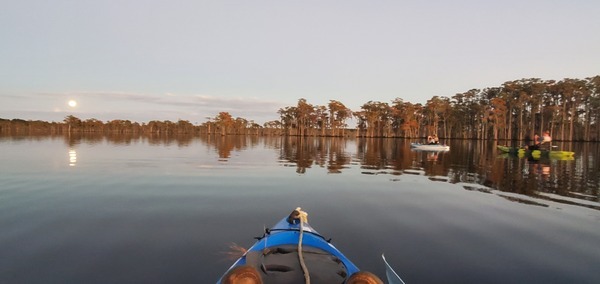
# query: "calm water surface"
[[158, 210]]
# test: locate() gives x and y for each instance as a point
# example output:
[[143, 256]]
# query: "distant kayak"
[[429, 147], [534, 153], [293, 252]]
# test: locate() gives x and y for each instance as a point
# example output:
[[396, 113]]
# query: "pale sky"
[[170, 60]]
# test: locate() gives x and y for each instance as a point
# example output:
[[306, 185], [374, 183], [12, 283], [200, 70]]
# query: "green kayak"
[[535, 153]]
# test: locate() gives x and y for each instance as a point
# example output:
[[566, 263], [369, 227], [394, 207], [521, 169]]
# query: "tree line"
[[569, 109], [72, 124]]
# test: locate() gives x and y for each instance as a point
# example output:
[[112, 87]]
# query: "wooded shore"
[[517, 110]]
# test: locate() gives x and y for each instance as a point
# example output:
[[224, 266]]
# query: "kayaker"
[[546, 140], [433, 139], [247, 274], [536, 143]]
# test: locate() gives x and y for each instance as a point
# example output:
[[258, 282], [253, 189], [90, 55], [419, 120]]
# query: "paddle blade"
[[391, 275]]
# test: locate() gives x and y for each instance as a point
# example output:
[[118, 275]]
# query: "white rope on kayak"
[[303, 216]]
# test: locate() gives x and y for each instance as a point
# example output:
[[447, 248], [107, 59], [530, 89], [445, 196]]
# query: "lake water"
[[159, 210]]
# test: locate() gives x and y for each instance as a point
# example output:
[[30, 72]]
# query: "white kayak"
[[429, 147]]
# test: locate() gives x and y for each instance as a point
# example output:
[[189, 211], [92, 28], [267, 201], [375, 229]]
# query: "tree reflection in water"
[[574, 181]]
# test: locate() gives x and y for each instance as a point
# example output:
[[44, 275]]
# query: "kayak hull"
[[429, 147], [534, 153], [276, 258]]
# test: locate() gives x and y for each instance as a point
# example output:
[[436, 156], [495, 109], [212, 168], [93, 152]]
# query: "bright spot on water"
[[72, 157]]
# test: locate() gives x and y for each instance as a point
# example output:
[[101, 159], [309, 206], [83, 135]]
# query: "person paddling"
[[546, 140], [431, 140], [536, 143]]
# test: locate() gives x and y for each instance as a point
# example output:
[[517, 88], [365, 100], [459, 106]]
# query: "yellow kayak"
[[535, 153]]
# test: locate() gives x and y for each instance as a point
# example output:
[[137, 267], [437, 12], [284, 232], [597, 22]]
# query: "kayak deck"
[[275, 256], [279, 264], [522, 151], [429, 147]]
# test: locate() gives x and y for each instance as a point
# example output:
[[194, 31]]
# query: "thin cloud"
[[212, 102], [145, 107], [236, 103]]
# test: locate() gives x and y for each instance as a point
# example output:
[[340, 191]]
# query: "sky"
[[170, 60]]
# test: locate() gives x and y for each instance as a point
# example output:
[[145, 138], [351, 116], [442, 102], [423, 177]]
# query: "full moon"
[[72, 103]]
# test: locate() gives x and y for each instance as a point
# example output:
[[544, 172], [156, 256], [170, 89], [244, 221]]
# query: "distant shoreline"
[[517, 110]]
